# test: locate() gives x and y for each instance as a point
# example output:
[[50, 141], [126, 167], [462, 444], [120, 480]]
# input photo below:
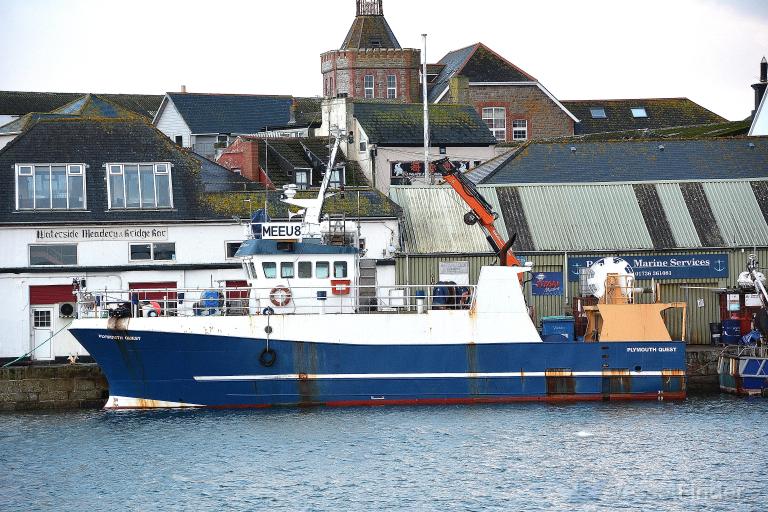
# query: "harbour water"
[[706, 453]]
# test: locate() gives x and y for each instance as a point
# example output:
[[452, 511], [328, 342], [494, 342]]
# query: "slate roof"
[[479, 64], [308, 111], [636, 160], [18, 103], [397, 124], [96, 142], [369, 31], [371, 204], [662, 113], [711, 130], [589, 218], [287, 154], [231, 113], [90, 105], [217, 178]]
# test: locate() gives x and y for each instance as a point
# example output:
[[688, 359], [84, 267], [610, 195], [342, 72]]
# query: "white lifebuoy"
[[280, 296]]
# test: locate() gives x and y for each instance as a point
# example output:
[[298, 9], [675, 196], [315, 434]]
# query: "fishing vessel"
[[743, 364], [305, 332]]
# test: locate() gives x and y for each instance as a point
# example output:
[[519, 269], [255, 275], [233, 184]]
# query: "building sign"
[[94, 234], [456, 271], [281, 230], [405, 173], [547, 283], [681, 266]]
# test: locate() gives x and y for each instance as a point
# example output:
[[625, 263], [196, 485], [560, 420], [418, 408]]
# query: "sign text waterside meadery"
[[142, 233], [679, 266]]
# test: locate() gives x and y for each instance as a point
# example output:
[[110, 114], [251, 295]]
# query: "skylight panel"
[[597, 112], [639, 112]]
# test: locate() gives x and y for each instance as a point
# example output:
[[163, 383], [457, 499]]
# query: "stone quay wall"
[[78, 386]]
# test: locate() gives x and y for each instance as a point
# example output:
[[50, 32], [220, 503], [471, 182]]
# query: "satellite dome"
[[598, 273]]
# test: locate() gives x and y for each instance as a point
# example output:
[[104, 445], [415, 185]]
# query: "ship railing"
[[279, 299], [742, 350]]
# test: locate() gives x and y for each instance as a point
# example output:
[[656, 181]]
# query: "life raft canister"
[[340, 286], [280, 296]]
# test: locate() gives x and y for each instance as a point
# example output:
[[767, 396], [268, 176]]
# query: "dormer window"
[[597, 113], [50, 186], [639, 112], [139, 186], [302, 178], [375, 43]]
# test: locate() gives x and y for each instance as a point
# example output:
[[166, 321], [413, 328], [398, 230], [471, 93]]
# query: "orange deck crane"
[[482, 212]]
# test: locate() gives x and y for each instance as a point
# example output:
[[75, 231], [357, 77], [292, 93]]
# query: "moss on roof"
[[371, 204]]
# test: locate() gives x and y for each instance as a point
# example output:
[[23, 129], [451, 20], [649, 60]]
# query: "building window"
[[597, 113], [363, 146], [302, 178], [162, 251], [496, 119], [639, 112], [337, 177], [50, 187], [322, 270], [54, 254], [305, 270], [391, 87], [519, 129], [179, 140], [41, 318], [231, 249], [368, 85], [139, 186], [339, 269]]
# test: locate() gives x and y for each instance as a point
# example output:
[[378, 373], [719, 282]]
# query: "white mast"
[[427, 173]]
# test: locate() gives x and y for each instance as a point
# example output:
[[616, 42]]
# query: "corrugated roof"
[[737, 213], [434, 220], [678, 216], [585, 217], [591, 217]]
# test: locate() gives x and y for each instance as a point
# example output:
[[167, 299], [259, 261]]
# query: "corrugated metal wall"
[[424, 270]]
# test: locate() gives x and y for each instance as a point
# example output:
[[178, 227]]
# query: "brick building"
[[513, 103], [370, 62]]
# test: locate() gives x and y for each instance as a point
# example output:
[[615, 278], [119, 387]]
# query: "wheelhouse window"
[[286, 270], [161, 251], [50, 187], [305, 270], [231, 249], [368, 86], [391, 87], [597, 113], [270, 270], [639, 112], [519, 129], [339, 269], [52, 254], [322, 269], [141, 186], [496, 119]]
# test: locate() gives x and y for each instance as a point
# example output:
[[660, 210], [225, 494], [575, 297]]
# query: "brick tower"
[[370, 64]]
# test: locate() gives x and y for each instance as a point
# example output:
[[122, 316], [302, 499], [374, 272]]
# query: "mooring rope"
[[37, 347]]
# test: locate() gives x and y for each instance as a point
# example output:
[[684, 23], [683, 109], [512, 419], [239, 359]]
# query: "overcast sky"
[[706, 50]]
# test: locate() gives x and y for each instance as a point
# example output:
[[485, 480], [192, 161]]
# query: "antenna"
[[427, 171]]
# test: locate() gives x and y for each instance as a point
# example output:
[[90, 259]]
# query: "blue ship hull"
[[165, 368], [743, 374]]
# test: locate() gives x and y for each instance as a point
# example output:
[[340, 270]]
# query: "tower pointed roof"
[[370, 29]]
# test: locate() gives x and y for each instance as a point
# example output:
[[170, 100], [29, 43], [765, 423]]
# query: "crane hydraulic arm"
[[481, 211]]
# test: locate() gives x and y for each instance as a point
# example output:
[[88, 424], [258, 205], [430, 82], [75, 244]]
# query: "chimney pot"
[[184, 89]]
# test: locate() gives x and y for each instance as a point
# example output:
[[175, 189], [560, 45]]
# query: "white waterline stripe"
[[351, 376]]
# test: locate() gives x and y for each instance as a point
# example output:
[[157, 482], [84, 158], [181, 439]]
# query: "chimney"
[[760, 86], [183, 89], [458, 88], [292, 118], [251, 170]]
